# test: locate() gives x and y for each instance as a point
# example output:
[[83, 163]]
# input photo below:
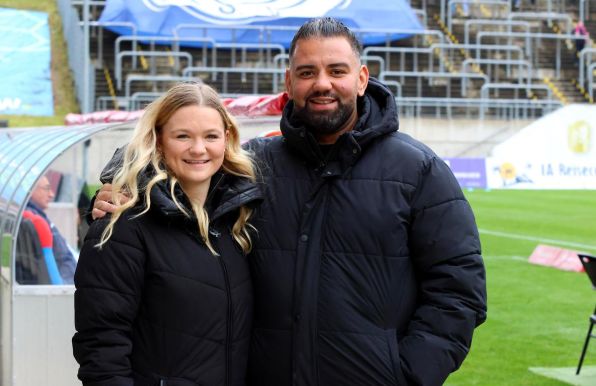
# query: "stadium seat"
[[589, 263]]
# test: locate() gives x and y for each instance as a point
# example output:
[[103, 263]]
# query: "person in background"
[[367, 268], [41, 196], [581, 32], [163, 291]]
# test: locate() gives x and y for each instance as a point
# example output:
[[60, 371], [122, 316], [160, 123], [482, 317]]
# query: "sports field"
[[537, 316]]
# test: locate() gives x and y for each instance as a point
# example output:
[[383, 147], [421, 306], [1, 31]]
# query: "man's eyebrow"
[[304, 67], [339, 64], [332, 65]]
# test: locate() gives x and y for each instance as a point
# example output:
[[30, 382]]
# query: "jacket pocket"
[[391, 338]]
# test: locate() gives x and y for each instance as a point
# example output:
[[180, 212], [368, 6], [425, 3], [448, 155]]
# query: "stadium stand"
[[476, 58]]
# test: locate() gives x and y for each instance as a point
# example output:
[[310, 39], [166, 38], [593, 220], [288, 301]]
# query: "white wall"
[[43, 325]]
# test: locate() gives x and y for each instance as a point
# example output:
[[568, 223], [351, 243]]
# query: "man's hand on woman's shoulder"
[[103, 202]]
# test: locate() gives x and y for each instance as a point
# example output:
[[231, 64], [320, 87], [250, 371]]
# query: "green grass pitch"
[[537, 316]]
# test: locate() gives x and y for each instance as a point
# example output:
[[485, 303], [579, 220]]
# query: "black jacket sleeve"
[[107, 174], [109, 284], [445, 249]]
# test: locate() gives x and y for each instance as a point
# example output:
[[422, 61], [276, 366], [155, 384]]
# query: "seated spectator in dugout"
[[58, 258]]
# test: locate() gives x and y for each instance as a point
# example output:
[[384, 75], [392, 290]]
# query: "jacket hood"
[[377, 116]]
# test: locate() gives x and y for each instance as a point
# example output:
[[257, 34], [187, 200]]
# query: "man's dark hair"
[[326, 27]]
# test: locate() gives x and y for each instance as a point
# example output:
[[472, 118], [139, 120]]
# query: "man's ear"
[[363, 76], [288, 82]]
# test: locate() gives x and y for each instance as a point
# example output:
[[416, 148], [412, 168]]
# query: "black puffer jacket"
[[154, 305], [368, 269]]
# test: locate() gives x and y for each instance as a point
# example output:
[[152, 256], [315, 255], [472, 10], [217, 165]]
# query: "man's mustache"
[[318, 94]]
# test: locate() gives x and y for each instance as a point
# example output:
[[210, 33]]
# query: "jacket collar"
[[377, 116], [226, 193], [36, 209]]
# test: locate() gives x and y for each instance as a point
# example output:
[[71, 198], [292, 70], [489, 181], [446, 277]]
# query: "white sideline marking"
[[504, 257], [539, 239]]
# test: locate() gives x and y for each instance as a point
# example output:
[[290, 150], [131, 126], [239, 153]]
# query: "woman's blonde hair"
[[142, 154]]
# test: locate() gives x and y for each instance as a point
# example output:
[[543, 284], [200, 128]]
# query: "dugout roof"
[[25, 154]]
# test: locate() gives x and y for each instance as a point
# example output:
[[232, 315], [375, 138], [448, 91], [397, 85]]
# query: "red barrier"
[[249, 106], [564, 259]]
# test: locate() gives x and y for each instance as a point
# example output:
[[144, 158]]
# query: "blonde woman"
[[163, 291]]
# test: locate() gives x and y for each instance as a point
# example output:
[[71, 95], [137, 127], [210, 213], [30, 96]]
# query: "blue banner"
[[162, 17], [25, 63], [470, 172]]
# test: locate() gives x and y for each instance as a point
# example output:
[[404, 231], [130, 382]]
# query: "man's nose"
[[323, 82]]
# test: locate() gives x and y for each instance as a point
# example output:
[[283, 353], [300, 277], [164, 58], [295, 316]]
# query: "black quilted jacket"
[[368, 269], [155, 307]]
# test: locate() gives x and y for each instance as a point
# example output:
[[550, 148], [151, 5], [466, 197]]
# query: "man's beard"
[[323, 122]]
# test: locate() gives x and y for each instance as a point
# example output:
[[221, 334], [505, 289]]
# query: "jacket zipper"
[[228, 293]]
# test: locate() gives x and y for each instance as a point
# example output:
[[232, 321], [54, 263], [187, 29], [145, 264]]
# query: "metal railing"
[[510, 24], [402, 53], [584, 9], [447, 8], [422, 16], [396, 84], [235, 32], [495, 49], [444, 50], [265, 31], [544, 16], [540, 103], [173, 42], [502, 62], [585, 60], [136, 101], [281, 60], [273, 77], [100, 25], [168, 80], [366, 59], [108, 102], [530, 48], [475, 107], [485, 89], [551, 6], [498, 4], [139, 99], [427, 76], [591, 83], [264, 51], [153, 67]]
